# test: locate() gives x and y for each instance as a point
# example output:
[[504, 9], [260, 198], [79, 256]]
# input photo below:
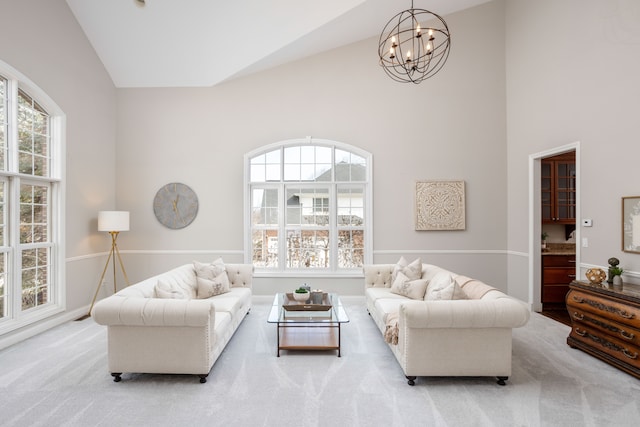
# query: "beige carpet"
[[60, 378]]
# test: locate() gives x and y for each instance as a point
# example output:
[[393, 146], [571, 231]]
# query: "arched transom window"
[[308, 207]]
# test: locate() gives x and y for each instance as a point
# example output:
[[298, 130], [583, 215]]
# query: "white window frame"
[[281, 186], [15, 317]]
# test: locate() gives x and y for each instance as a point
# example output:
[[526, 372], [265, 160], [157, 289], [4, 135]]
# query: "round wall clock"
[[175, 205]]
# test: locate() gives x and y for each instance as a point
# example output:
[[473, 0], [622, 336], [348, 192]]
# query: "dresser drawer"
[[559, 261], [604, 307], [558, 275], [554, 293], [622, 332], [623, 351]]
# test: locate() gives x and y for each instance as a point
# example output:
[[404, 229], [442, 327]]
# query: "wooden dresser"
[[605, 322]]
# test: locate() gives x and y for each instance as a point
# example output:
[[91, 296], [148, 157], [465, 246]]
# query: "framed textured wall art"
[[631, 224], [439, 205]]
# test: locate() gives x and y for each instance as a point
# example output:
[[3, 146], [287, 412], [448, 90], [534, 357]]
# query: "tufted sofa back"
[[240, 276]]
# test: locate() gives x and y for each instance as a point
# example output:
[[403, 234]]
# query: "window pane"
[[307, 172], [292, 172], [33, 137], [308, 249], [35, 277], [307, 154], [350, 205], [273, 157], [25, 163], [3, 280], [264, 206], [3, 218], [350, 167], [257, 173], [323, 155], [323, 172], [273, 173], [350, 248], [33, 213], [307, 206], [292, 155], [264, 248], [3, 122], [265, 167]]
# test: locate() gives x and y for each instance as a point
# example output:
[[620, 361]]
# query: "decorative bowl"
[[300, 297], [596, 275]]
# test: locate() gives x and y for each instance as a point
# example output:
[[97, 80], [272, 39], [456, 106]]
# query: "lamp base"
[[112, 256]]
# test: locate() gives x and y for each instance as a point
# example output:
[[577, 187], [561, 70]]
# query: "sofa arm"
[[377, 275], [240, 275], [132, 311], [503, 312]]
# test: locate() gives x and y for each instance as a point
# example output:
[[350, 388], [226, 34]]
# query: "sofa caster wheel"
[[501, 380], [116, 377], [411, 380], [203, 379]]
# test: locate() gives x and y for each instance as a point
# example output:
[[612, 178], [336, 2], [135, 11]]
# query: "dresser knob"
[[578, 316], [626, 335], [629, 355], [577, 299], [581, 333]]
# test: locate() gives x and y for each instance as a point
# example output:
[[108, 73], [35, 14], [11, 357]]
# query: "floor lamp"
[[114, 222]]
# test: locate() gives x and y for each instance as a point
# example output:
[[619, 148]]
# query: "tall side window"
[[308, 207], [30, 201]]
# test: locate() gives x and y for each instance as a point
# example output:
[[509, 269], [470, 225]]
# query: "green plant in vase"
[[301, 294], [616, 273], [543, 239]]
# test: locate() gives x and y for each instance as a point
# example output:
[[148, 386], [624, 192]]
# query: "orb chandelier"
[[414, 45]]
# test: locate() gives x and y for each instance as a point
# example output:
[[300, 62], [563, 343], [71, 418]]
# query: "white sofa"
[[147, 334], [460, 337]]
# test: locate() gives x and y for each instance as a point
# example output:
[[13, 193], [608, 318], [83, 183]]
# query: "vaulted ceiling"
[[195, 43]]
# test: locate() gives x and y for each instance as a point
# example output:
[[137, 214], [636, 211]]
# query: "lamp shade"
[[113, 221]]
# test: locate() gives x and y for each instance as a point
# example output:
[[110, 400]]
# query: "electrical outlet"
[[585, 242]]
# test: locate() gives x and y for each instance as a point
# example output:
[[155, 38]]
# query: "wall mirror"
[[631, 224]]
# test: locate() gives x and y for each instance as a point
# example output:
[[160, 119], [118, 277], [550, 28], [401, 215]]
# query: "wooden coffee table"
[[308, 330]]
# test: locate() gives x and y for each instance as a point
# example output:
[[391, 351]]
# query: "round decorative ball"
[[301, 297], [596, 275]]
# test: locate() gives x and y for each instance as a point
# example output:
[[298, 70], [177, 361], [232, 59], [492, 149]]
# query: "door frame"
[[535, 220]]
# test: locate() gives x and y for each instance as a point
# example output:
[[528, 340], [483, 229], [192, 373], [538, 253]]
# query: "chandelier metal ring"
[[414, 45]]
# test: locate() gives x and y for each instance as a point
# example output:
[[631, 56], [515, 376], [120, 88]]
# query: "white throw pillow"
[[413, 289], [443, 287], [209, 288], [169, 290], [209, 271], [413, 271]]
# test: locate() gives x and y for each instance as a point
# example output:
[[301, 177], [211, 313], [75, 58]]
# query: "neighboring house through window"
[[308, 207], [30, 202]]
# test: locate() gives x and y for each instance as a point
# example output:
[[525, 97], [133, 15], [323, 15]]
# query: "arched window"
[[308, 207], [31, 129]]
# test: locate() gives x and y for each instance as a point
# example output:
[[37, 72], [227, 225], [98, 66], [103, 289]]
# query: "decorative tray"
[[290, 304]]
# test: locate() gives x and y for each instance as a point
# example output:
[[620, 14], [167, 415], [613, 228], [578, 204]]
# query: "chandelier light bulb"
[[418, 34]]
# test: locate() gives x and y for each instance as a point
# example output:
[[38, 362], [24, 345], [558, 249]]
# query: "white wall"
[[42, 40], [452, 126], [572, 75]]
